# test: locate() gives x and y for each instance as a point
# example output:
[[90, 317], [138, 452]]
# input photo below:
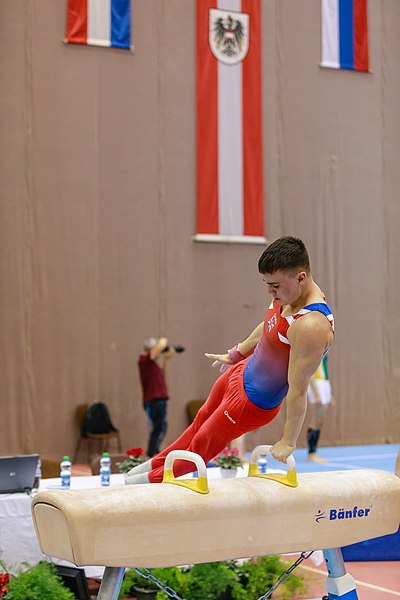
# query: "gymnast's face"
[[285, 287]]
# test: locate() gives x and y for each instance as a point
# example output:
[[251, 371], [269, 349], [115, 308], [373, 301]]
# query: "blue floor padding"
[[342, 458], [386, 547], [380, 457]]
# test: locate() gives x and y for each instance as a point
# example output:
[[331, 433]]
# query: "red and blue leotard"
[[246, 397], [265, 375]]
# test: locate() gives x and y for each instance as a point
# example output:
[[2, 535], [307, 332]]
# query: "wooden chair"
[[192, 408], [102, 439], [116, 460], [50, 468]]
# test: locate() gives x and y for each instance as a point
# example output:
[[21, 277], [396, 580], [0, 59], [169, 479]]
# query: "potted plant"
[[144, 589], [138, 587], [257, 575], [230, 580], [229, 461], [40, 582], [134, 457]]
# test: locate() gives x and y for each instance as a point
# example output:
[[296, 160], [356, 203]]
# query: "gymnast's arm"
[[309, 337], [244, 348]]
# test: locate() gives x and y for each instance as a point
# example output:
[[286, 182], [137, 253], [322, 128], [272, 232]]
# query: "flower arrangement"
[[229, 459], [4, 580], [134, 458]]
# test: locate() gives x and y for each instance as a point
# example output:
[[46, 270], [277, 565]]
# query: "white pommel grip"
[[186, 455], [200, 484]]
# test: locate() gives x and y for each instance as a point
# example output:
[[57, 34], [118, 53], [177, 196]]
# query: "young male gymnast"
[[277, 360]]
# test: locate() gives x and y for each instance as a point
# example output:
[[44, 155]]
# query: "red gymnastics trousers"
[[226, 415]]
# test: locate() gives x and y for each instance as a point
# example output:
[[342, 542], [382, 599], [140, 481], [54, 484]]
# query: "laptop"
[[17, 473]]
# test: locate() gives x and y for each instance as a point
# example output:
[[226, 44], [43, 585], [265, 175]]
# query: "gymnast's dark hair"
[[285, 254]]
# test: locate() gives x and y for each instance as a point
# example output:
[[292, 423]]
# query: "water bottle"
[[65, 473], [38, 475], [105, 469], [262, 463]]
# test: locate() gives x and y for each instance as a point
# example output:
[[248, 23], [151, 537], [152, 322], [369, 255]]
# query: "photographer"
[[154, 386]]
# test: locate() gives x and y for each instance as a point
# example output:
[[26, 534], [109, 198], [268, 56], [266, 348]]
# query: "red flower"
[[135, 452], [229, 452], [4, 579]]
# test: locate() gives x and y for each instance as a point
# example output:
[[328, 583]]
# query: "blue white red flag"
[[99, 23], [345, 34], [230, 192]]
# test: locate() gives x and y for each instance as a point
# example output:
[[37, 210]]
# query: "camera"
[[178, 349]]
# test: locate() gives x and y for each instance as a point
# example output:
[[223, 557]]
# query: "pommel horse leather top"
[[161, 525]]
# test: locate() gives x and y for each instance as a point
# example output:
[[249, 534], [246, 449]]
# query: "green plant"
[[229, 580], [38, 583], [171, 576], [256, 576], [211, 581], [134, 458], [229, 459]]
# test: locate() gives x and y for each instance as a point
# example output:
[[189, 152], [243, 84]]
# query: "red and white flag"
[[230, 191]]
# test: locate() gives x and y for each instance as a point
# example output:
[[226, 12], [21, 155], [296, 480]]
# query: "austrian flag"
[[99, 23], [230, 194]]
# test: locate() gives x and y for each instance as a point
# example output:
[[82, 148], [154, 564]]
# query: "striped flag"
[[230, 194], [99, 23], [345, 34]]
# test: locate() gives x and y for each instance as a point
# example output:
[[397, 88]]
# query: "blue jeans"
[[156, 411]]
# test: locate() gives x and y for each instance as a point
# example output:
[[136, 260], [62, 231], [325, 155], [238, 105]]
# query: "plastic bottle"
[[105, 469], [65, 473], [262, 463], [38, 475]]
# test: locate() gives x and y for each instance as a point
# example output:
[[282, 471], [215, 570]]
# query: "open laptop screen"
[[17, 473]]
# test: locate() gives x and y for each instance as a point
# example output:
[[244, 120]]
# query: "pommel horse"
[[194, 521]]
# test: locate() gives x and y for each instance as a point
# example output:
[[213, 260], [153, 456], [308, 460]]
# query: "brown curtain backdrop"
[[97, 165]]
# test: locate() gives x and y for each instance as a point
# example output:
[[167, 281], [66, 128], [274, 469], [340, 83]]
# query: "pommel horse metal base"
[[184, 522]]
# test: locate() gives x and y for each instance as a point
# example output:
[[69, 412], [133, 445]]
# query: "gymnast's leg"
[[233, 416], [183, 442]]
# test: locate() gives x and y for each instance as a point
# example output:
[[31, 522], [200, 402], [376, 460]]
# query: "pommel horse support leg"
[[184, 522]]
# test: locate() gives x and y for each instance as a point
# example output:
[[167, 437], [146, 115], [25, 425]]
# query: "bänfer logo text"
[[348, 514]]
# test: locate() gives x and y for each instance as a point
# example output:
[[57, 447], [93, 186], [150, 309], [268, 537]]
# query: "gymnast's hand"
[[222, 361], [280, 451]]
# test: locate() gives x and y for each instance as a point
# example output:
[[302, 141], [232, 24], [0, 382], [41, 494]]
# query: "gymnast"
[[277, 360]]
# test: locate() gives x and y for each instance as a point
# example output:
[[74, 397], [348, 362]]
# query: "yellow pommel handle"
[[289, 479], [199, 485]]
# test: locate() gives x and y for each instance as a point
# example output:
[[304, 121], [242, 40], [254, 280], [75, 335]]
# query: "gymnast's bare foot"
[[313, 457]]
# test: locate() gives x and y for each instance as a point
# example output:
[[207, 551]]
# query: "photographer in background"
[[155, 391]]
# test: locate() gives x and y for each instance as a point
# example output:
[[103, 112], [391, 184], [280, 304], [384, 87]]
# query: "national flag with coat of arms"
[[230, 192], [99, 23]]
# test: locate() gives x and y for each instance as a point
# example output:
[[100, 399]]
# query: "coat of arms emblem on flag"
[[228, 35]]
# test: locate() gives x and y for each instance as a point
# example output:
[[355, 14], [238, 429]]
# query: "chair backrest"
[[80, 413], [116, 460], [97, 419], [192, 408], [50, 468]]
